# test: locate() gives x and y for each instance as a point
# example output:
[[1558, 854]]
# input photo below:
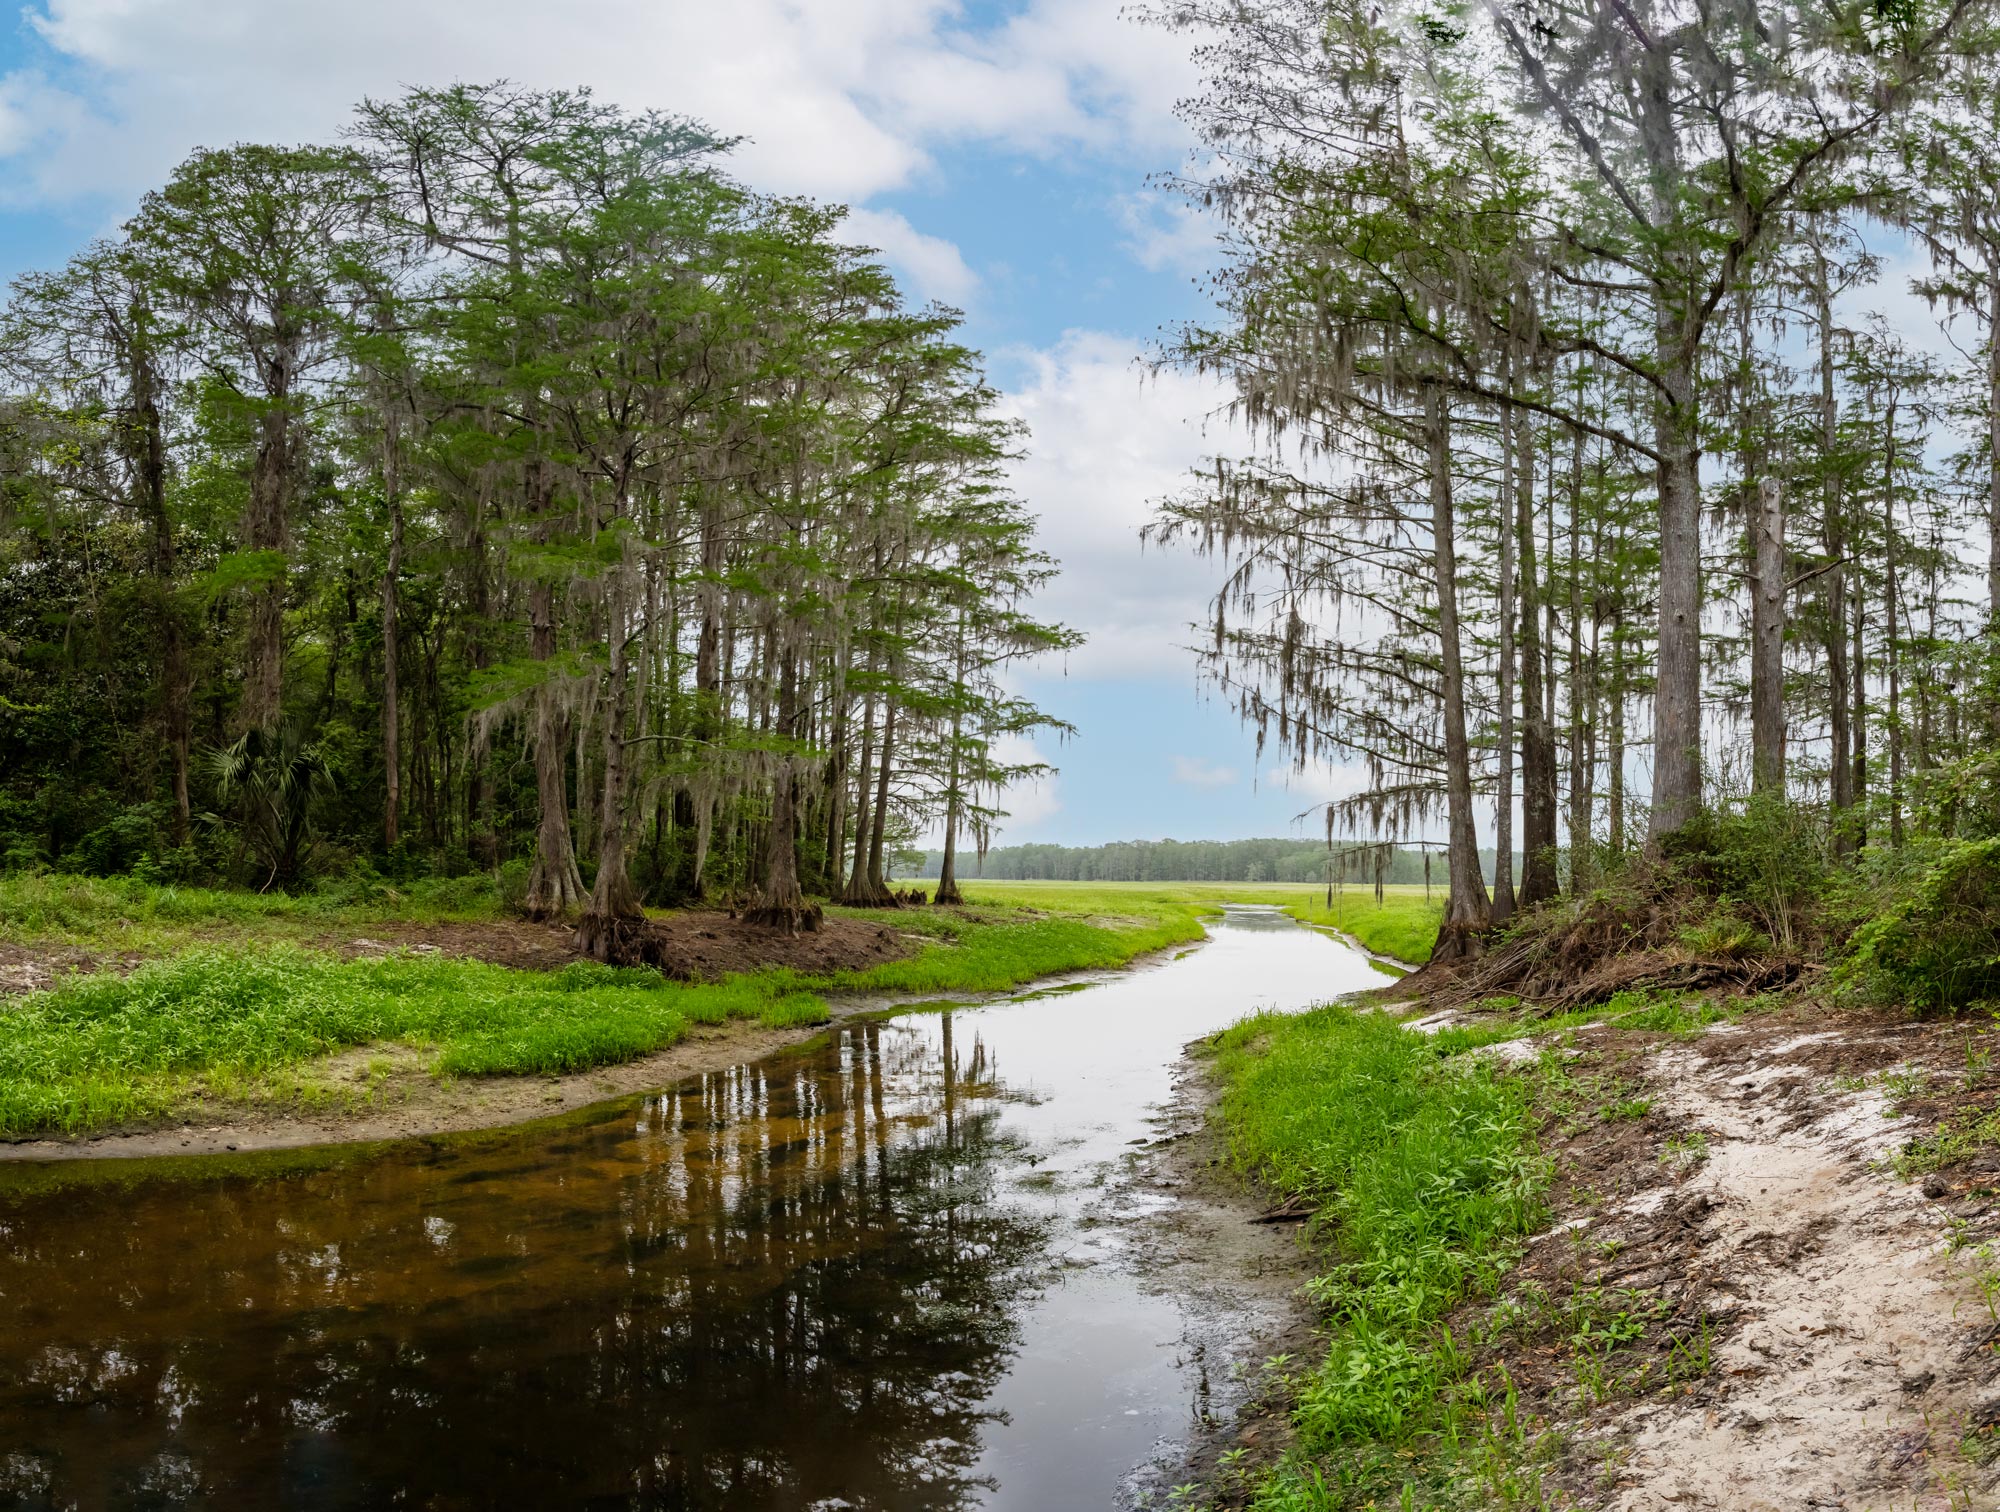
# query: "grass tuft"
[[1422, 1160]]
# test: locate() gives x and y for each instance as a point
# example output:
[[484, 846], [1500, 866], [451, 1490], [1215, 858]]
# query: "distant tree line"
[[502, 487], [1194, 861]]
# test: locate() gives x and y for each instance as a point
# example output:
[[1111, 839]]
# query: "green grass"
[[1403, 927], [238, 1010], [125, 913], [102, 1050], [1423, 1161], [1007, 948]]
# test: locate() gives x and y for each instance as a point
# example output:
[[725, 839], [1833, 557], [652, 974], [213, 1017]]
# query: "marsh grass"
[[1404, 926], [1422, 1159], [128, 913], [102, 1050]]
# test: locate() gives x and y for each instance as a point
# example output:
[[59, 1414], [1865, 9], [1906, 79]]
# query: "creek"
[[906, 1266]]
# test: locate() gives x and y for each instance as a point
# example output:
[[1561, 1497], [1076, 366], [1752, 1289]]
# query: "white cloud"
[[1031, 802], [1108, 441], [1165, 233], [931, 267], [1197, 773], [840, 99]]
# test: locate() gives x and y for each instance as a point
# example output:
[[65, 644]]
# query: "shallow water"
[[896, 1269]]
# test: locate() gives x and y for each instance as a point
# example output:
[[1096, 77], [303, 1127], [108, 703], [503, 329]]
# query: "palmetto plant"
[[269, 783]]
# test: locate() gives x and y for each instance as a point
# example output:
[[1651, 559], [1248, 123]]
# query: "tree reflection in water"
[[781, 1287]]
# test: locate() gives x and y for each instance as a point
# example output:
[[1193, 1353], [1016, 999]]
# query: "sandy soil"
[[1862, 1364], [1852, 1344]]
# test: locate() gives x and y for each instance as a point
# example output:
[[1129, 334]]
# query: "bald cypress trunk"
[[1538, 746], [1503, 802], [1468, 914], [1767, 641], [783, 904]]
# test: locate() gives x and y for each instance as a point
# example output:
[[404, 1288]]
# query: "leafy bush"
[[1770, 858], [1938, 946]]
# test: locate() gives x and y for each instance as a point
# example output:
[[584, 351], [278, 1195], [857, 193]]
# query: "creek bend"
[[898, 1268]]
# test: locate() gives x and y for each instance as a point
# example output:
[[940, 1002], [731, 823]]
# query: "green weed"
[[1424, 1164]]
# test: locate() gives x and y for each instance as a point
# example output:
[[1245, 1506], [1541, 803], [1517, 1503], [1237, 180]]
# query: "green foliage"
[[106, 1049], [273, 784], [1423, 1162], [512, 885], [1771, 858], [1937, 946]]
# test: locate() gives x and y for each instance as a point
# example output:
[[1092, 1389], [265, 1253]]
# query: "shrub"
[[513, 885], [1938, 947]]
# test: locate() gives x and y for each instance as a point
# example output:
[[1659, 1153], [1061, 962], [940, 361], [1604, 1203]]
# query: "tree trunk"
[[1615, 837], [1538, 752], [1891, 625], [1468, 916], [878, 882], [1859, 758], [857, 893], [1767, 642], [152, 472], [1993, 440], [1677, 695], [392, 755], [270, 485], [613, 929], [555, 886], [783, 903], [836, 778], [1834, 533], [947, 888], [1503, 802], [1580, 815]]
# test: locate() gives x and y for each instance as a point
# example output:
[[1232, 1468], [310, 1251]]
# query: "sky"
[[999, 153]]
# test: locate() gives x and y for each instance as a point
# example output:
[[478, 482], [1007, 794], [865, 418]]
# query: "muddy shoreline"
[[377, 1093], [1241, 1280]]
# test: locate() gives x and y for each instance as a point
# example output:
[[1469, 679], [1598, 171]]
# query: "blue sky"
[[998, 153]]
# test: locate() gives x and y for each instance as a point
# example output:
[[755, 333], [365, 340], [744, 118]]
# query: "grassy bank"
[[1403, 926], [125, 914], [235, 1010], [1420, 1159]]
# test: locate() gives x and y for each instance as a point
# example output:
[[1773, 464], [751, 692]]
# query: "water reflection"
[[769, 1288], [876, 1274]]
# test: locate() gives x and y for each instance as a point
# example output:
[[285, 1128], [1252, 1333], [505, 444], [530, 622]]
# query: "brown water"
[[897, 1269]]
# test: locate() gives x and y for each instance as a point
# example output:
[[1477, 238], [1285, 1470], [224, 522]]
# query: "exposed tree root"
[[1567, 956], [869, 897], [793, 918], [618, 940]]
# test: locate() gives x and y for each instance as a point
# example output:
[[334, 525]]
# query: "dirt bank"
[[1741, 1304], [700, 945]]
